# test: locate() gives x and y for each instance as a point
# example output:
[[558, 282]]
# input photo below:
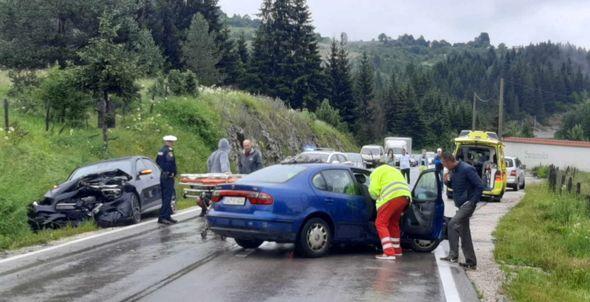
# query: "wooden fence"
[[564, 181]]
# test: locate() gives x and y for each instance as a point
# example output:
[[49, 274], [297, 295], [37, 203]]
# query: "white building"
[[541, 151]]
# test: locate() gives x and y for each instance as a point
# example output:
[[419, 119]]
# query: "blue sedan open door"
[[423, 221]]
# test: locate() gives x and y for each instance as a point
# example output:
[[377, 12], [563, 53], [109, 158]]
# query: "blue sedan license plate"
[[234, 201]]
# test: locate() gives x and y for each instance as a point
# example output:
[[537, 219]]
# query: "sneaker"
[[468, 266], [449, 259], [172, 220], [384, 257]]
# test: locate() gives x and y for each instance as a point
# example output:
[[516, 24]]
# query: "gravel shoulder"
[[488, 278]]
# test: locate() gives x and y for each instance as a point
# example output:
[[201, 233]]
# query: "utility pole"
[[501, 109], [473, 115]]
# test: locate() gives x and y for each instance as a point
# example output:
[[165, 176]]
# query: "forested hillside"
[[541, 80], [389, 86]]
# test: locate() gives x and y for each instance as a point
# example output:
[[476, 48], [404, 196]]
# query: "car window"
[[319, 182], [123, 165], [140, 166], [509, 163], [150, 165], [275, 174], [309, 157], [372, 150], [339, 181], [342, 158], [425, 188]]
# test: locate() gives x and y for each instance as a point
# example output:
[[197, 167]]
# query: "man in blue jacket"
[[467, 189], [167, 162]]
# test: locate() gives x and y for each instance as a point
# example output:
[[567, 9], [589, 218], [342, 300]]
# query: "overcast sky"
[[514, 22]]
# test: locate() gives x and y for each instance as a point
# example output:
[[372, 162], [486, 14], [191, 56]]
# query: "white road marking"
[[117, 230], [446, 277]]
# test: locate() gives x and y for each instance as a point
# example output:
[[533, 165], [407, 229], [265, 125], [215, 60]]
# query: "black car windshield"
[[123, 165], [274, 174]]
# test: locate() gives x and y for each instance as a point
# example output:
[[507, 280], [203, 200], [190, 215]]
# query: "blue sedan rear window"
[[275, 174]]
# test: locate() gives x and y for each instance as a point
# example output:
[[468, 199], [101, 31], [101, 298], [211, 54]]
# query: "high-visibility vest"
[[388, 183]]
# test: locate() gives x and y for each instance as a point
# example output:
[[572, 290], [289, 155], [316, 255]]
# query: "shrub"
[[182, 83], [541, 171]]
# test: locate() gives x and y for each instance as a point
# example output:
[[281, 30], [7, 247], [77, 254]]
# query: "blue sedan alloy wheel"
[[315, 238]]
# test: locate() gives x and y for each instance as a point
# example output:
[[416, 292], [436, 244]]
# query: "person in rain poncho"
[[218, 161]]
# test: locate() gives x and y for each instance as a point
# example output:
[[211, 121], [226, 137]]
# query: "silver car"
[[356, 160], [515, 171]]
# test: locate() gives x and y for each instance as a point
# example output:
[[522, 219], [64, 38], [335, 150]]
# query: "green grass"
[[543, 245], [33, 160]]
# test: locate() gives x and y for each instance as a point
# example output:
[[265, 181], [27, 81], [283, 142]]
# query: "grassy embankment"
[[33, 160], [543, 245]]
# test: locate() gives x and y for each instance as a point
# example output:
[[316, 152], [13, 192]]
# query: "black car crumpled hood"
[[101, 195]]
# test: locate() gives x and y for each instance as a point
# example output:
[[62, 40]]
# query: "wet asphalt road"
[[158, 263], [174, 263]]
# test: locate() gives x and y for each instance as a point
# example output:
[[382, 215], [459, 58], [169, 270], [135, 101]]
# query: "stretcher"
[[201, 187]]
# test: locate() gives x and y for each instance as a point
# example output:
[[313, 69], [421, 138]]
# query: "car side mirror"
[[145, 172]]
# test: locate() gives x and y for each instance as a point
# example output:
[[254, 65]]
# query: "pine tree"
[[243, 59], [341, 88], [364, 95], [394, 108], [200, 53], [308, 76], [285, 62]]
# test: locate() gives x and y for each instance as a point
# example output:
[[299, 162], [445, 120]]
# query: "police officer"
[[167, 163]]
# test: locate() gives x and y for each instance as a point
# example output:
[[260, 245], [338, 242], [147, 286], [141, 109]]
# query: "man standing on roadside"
[[404, 164], [250, 159], [438, 166], [467, 189], [167, 163]]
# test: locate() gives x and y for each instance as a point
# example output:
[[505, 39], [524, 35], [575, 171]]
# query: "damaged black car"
[[112, 192]]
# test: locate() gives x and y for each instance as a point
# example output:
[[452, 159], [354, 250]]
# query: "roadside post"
[[6, 122]]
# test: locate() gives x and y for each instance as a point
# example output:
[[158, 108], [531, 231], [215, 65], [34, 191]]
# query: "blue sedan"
[[317, 205]]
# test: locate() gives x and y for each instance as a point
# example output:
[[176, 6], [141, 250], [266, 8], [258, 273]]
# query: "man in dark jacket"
[[467, 189], [250, 159], [167, 162]]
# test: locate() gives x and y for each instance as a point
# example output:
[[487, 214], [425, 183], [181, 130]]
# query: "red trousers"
[[387, 224]]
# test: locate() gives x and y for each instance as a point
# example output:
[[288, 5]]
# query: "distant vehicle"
[[373, 155], [515, 171], [112, 192], [317, 205], [356, 160], [485, 152], [330, 157], [397, 144]]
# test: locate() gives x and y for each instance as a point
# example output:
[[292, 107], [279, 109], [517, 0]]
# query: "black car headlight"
[[111, 193]]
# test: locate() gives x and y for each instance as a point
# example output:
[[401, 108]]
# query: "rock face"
[[277, 131]]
